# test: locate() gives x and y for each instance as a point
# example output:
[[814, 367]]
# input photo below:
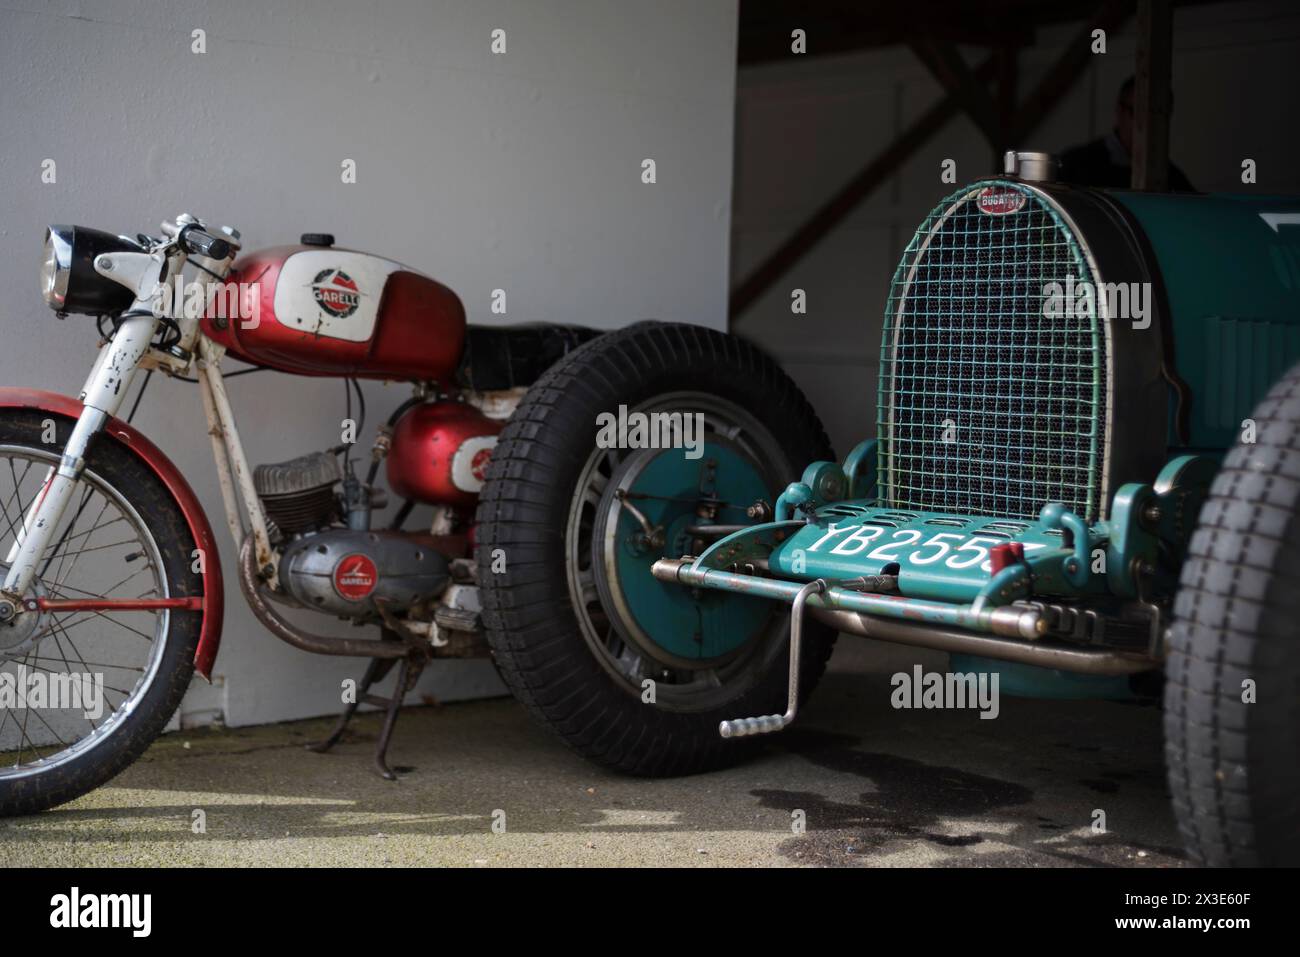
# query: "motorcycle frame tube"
[[229, 498], [233, 470]]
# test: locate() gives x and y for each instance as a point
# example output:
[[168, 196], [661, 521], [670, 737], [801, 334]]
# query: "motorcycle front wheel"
[[83, 693]]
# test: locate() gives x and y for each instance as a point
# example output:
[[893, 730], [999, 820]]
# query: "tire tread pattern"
[[1234, 767]]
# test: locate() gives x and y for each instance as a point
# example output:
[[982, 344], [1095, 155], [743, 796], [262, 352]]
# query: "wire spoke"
[[33, 711], [120, 624], [126, 695], [58, 543], [70, 557], [61, 591], [88, 664], [18, 510], [93, 528], [99, 548], [22, 513], [22, 730], [107, 687]]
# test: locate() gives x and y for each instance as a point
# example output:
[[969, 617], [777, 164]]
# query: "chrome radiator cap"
[[1030, 166]]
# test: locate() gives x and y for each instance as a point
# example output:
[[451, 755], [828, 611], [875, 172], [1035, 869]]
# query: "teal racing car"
[[1085, 475]]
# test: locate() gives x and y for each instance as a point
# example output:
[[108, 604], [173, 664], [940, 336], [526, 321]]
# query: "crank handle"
[[743, 727], [766, 724]]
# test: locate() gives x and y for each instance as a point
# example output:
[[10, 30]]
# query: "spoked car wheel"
[[84, 691], [630, 671]]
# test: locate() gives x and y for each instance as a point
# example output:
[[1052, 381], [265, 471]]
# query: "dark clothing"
[[1098, 164]]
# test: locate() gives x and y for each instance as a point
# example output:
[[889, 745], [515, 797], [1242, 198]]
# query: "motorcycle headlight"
[[56, 265], [69, 282]]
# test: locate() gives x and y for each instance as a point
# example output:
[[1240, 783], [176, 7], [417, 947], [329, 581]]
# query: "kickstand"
[[407, 675], [378, 668]]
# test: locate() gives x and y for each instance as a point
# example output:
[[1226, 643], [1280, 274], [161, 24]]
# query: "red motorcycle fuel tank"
[[327, 311], [440, 452]]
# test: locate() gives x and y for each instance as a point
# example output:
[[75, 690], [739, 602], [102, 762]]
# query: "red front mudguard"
[[135, 442]]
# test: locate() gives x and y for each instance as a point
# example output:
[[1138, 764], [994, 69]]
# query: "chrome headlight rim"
[[78, 288], [56, 266]]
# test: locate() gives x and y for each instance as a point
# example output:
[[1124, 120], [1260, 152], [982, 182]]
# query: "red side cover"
[[160, 465]]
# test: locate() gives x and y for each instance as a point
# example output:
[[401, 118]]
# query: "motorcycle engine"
[[349, 573], [298, 496], [344, 571]]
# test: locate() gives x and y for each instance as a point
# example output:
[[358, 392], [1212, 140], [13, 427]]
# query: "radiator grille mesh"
[[987, 407]]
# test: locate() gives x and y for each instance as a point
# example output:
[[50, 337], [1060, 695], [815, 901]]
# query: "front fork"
[[105, 391]]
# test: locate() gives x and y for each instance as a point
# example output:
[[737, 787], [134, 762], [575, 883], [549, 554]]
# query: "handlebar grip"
[[197, 241]]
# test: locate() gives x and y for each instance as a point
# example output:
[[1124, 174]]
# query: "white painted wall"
[[520, 172], [805, 126]]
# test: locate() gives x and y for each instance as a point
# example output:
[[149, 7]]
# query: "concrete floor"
[[876, 786]]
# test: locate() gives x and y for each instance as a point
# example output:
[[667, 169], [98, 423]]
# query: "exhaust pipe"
[[1087, 661]]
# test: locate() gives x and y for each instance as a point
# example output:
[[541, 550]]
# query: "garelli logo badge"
[[999, 201], [336, 292], [355, 577], [478, 465]]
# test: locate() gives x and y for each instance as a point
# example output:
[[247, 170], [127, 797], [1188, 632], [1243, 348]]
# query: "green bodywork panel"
[[939, 557], [1231, 270], [945, 557]]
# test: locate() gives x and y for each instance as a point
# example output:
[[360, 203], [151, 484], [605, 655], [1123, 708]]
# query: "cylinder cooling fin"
[[988, 404], [299, 495]]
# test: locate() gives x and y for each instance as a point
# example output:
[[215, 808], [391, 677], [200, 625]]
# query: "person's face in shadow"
[[1124, 121], [1124, 108]]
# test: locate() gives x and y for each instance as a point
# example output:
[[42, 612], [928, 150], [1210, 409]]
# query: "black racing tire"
[[1234, 767], [120, 468], [530, 620]]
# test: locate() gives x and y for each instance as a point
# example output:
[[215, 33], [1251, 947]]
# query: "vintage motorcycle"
[[112, 589]]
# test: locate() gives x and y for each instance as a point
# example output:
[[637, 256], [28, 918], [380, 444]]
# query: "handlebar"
[[197, 241]]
